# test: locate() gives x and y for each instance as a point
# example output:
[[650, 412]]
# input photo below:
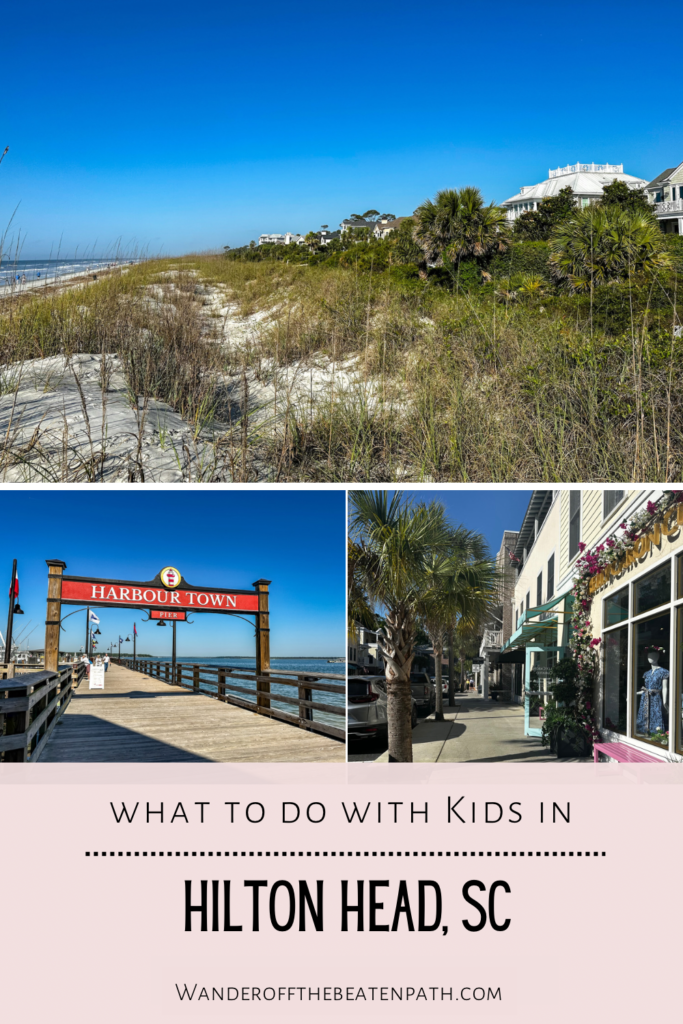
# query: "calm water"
[[13, 272], [312, 665]]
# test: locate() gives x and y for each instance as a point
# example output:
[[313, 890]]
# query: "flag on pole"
[[135, 631], [16, 587], [94, 618], [121, 640]]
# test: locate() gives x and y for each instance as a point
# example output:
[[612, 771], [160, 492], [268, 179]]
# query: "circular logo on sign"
[[170, 577]]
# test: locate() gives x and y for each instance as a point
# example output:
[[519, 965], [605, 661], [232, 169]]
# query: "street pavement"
[[476, 730]]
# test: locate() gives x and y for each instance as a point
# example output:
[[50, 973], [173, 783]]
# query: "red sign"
[[157, 613], [142, 595]]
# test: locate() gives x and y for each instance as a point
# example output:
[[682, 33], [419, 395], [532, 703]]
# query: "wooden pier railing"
[[221, 680], [31, 704]]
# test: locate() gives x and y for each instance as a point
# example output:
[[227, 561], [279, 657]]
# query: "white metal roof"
[[582, 183]]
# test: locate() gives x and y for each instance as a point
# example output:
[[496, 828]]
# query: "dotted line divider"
[[347, 853]]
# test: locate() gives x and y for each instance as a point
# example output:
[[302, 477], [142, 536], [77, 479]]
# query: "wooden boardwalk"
[[138, 718]]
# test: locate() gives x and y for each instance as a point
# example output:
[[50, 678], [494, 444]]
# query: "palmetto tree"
[[457, 224], [461, 588], [605, 244], [395, 543]]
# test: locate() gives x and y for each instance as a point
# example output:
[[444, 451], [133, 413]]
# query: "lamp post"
[[14, 609], [173, 649], [122, 641]]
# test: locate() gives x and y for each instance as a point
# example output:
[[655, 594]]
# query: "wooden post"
[[221, 684], [54, 612], [305, 693], [262, 643], [195, 677]]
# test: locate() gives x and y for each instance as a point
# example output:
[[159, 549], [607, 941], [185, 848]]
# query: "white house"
[[271, 240], [586, 181], [666, 193], [384, 227]]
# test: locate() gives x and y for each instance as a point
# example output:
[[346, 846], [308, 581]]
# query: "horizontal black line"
[[345, 853]]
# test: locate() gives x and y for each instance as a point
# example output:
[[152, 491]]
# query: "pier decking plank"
[[138, 718]]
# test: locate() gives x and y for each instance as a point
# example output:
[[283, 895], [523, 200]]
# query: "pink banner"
[[364, 892]]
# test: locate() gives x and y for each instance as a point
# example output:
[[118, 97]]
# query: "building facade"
[[666, 194], [633, 613], [586, 181]]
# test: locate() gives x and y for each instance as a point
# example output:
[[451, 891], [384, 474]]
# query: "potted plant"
[[563, 730]]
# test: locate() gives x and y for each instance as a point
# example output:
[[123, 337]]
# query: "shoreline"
[[16, 288]]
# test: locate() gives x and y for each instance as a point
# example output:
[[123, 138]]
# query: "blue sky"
[[488, 512], [295, 538], [179, 128]]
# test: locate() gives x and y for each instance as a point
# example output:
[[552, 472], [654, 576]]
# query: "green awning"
[[537, 632]]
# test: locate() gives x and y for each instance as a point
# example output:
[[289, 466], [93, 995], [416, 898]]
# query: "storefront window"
[[616, 676], [679, 575], [651, 680], [653, 589], [679, 645], [615, 608]]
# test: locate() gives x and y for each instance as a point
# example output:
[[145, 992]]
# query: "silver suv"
[[367, 707], [424, 692]]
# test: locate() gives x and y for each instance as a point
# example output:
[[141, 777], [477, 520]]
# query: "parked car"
[[352, 669], [366, 713], [423, 691]]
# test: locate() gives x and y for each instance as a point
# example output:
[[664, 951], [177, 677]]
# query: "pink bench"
[[623, 753]]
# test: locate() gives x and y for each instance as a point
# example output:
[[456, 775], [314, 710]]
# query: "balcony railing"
[[672, 206], [574, 168], [491, 638]]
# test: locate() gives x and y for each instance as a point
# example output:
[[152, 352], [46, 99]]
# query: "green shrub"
[[522, 258], [674, 246]]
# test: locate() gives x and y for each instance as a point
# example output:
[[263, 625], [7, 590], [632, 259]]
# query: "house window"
[[614, 713], [551, 577], [539, 588], [528, 596], [641, 679], [574, 523], [615, 608], [653, 589], [651, 680], [610, 500]]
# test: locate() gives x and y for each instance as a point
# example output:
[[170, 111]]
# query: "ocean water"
[[312, 665], [13, 272]]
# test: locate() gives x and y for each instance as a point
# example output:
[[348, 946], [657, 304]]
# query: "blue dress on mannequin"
[[651, 708]]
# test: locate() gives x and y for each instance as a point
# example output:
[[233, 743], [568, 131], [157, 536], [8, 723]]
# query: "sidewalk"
[[477, 730]]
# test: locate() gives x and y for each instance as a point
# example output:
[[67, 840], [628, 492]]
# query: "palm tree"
[[605, 244], [462, 587], [358, 609], [457, 224], [395, 542]]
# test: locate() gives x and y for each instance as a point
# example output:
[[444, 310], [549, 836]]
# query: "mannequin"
[[654, 696]]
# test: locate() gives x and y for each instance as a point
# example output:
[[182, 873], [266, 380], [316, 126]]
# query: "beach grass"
[[428, 384]]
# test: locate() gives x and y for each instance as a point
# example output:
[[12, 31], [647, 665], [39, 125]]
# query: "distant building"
[[586, 181], [383, 228], [354, 225], [327, 236], [666, 193], [363, 648], [271, 240]]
